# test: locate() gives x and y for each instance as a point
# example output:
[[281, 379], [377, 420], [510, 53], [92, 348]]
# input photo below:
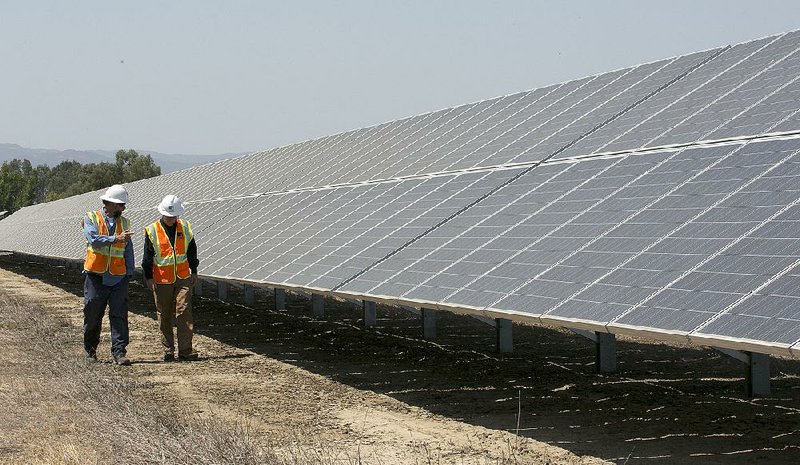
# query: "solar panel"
[[403, 162], [633, 89], [575, 105], [500, 117], [777, 65], [685, 97], [567, 268], [363, 161], [506, 129], [533, 208], [326, 236], [658, 199], [697, 241]]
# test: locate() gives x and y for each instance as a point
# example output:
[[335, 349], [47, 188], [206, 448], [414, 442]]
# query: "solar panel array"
[[659, 199]]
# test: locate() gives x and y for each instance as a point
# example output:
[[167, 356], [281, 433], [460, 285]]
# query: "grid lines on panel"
[[542, 128], [471, 152], [271, 220], [687, 96], [494, 151], [554, 211], [617, 98], [340, 211], [361, 160], [703, 122], [455, 151], [361, 246], [393, 166], [637, 195], [684, 229]]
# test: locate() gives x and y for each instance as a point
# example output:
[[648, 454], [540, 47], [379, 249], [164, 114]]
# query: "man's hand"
[[150, 284], [125, 236]]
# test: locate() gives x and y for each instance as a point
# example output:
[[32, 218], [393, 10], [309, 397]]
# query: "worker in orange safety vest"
[[170, 271], [108, 266]]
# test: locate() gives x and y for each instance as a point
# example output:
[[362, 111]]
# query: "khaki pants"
[[174, 301]]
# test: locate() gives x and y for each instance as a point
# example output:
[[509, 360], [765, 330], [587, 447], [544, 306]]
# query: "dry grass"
[[61, 409]]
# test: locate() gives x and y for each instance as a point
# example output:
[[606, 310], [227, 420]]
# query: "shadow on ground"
[[665, 405]]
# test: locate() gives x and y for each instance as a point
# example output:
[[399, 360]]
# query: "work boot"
[[194, 356], [122, 360], [169, 357]]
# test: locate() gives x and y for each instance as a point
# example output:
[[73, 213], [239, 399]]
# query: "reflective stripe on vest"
[[110, 257], [170, 262]]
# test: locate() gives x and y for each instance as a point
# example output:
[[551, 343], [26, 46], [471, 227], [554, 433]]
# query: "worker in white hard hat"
[[108, 267], [170, 271]]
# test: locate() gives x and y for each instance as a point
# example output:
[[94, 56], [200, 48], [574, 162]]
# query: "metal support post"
[[606, 360], [428, 323], [198, 287], [280, 299], [505, 340], [370, 314], [222, 290], [757, 377], [318, 305], [249, 295], [605, 349]]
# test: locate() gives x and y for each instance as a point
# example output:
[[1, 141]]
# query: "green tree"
[[42, 175], [62, 176], [18, 184], [21, 184], [10, 181], [133, 167]]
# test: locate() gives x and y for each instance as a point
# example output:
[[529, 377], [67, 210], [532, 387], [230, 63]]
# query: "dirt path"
[[283, 403], [387, 395]]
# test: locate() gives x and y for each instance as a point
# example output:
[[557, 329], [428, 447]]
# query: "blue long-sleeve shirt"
[[98, 240]]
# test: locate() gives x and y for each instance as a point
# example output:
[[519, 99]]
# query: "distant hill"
[[51, 157]]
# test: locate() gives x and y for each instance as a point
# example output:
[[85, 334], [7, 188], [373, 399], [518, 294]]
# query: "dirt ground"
[[398, 399]]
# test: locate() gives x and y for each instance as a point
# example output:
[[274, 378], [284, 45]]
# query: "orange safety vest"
[[111, 257], [170, 262]]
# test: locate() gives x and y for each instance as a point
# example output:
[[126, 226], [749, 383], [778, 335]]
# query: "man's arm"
[[191, 256], [147, 261], [130, 262], [96, 239], [93, 237]]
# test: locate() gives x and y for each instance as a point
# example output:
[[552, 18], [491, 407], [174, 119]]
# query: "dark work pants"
[[95, 298]]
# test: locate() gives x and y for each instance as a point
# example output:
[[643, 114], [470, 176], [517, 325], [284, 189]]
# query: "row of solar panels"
[[747, 89], [699, 242], [552, 205]]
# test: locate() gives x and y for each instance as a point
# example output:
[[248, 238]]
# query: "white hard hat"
[[115, 194], [171, 206]]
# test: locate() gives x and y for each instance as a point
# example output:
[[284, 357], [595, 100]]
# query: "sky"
[[212, 77]]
